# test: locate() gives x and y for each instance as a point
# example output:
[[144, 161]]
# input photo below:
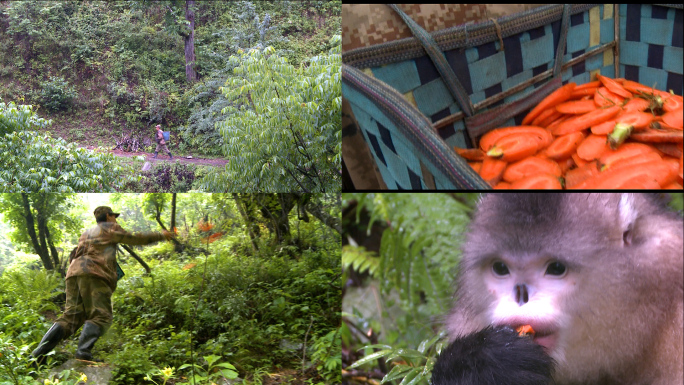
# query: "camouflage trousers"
[[162, 147], [88, 298]]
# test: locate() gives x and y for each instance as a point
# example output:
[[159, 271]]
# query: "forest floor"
[[165, 157], [212, 162]]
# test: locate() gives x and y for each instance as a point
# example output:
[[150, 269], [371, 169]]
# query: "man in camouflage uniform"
[[90, 281], [161, 143]]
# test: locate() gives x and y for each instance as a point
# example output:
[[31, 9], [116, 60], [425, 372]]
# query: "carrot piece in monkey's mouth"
[[525, 330]]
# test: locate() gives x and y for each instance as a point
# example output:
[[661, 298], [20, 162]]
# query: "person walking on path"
[[161, 143], [90, 281]]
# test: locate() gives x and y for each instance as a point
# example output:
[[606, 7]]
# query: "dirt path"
[[165, 158]]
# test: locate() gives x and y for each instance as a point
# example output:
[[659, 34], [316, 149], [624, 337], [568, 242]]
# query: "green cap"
[[104, 209]]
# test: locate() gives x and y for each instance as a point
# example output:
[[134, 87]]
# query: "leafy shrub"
[[15, 118], [165, 177], [285, 135], [56, 94], [31, 161]]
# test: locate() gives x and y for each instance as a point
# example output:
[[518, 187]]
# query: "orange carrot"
[[489, 139], [605, 98], [658, 136], [578, 161], [636, 87], [502, 186], [492, 169], [475, 166], [531, 166], [564, 146], [636, 104], [659, 170], [674, 118], [594, 84], [578, 175], [580, 93], [627, 151], [614, 86], [470, 153], [541, 181], [514, 147], [587, 120], [576, 107], [556, 97], [636, 119], [672, 102], [543, 116], [592, 147]]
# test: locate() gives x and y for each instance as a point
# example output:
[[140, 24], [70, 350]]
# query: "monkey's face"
[[528, 291]]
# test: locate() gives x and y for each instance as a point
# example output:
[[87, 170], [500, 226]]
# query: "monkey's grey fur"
[[617, 312]]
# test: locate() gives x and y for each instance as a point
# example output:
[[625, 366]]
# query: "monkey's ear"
[[628, 214]]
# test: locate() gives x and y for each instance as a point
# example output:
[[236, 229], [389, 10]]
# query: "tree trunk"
[[173, 212], [190, 41], [317, 210], [31, 228], [248, 222]]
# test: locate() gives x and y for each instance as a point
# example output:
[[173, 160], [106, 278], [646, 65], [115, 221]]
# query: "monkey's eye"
[[500, 268], [556, 268]]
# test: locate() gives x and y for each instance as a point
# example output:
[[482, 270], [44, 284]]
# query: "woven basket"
[[416, 98]]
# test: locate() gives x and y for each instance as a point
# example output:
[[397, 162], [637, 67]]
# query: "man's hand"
[[168, 235]]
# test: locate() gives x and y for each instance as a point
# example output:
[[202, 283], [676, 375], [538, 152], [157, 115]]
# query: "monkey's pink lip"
[[547, 341]]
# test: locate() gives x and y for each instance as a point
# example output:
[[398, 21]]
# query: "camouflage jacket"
[[96, 251], [160, 137]]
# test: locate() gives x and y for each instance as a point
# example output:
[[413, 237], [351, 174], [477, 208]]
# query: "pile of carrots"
[[606, 134]]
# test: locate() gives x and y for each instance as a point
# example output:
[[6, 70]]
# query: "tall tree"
[[40, 221], [189, 36]]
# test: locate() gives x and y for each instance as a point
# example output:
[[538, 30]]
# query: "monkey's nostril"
[[521, 295]]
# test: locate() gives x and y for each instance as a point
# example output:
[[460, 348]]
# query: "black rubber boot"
[[155, 154], [55, 334], [170, 157], [86, 341]]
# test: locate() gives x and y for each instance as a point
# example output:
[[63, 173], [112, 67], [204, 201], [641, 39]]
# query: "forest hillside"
[[246, 292], [249, 93]]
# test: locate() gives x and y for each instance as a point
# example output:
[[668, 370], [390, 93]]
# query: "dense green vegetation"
[[263, 88], [251, 291]]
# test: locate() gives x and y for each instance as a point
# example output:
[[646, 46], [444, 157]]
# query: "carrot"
[[470, 153], [580, 93], [674, 118], [543, 116], [681, 167], [489, 139], [492, 169], [672, 102], [475, 166], [640, 182], [564, 146], [592, 147], [502, 186], [636, 87], [587, 120], [576, 107], [514, 147], [580, 174], [673, 186], [594, 84], [658, 170], [541, 181], [635, 119], [550, 119], [658, 136], [627, 151], [578, 161], [603, 98], [531, 166], [556, 97], [669, 149], [614, 86], [636, 104]]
